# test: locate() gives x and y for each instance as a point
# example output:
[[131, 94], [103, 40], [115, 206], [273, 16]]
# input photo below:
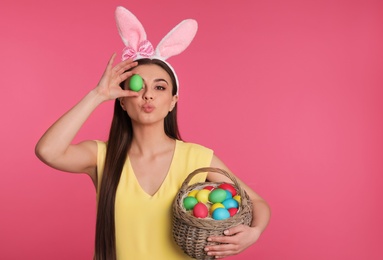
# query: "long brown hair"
[[119, 142]]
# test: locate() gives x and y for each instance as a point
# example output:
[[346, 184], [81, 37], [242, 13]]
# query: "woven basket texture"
[[191, 233]]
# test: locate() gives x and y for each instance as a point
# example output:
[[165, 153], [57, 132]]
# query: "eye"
[[160, 88]]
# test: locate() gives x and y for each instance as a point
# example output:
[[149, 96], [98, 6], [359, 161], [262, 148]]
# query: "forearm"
[[59, 136]]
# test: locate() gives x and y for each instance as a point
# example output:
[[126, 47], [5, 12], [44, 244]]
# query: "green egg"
[[136, 83], [189, 202], [217, 196]]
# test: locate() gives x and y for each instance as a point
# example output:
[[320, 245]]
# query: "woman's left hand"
[[234, 241]]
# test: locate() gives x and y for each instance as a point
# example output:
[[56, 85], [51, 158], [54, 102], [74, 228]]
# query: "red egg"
[[200, 210], [229, 187], [233, 211], [209, 188]]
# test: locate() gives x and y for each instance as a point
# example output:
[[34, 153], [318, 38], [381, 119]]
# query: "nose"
[[148, 94]]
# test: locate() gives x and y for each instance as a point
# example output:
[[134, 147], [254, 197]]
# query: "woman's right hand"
[[55, 147], [109, 85]]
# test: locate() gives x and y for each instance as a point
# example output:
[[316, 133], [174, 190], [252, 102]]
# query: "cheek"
[[168, 104], [131, 104]]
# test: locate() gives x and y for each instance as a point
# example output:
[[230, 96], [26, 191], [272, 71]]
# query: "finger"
[[228, 232], [220, 239], [125, 65], [129, 93], [128, 64], [222, 256], [111, 60], [109, 65], [126, 75], [222, 252], [223, 242], [220, 247], [234, 230], [119, 78]]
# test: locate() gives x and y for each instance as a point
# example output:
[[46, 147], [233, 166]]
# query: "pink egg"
[[200, 210], [229, 187]]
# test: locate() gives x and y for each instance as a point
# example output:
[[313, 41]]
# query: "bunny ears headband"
[[138, 47]]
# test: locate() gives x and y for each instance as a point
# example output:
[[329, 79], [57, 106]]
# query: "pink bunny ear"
[[131, 30], [177, 40], [133, 35]]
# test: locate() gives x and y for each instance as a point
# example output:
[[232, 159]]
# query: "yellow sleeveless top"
[[144, 223]]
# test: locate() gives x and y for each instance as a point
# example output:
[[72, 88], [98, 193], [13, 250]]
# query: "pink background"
[[287, 93]]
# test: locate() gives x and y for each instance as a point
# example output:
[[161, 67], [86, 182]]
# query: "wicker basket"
[[191, 233]]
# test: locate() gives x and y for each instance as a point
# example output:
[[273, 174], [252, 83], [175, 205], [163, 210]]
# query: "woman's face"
[[155, 99]]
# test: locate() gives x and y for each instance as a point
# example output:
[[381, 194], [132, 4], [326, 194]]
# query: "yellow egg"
[[193, 193], [215, 206], [237, 198], [203, 196]]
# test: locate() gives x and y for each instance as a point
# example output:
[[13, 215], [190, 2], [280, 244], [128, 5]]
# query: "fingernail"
[[226, 232]]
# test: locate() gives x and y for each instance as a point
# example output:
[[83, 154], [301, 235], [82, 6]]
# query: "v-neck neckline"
[[165, 180]]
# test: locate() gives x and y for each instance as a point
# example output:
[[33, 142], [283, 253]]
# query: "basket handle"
[[218, 170]]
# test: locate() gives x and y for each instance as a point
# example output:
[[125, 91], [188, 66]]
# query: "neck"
[[149, 139]]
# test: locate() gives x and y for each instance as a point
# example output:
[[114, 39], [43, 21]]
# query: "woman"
[[139, 170], [144, 135]]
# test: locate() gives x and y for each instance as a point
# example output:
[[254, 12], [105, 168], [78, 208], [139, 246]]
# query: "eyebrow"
[[158, 80]]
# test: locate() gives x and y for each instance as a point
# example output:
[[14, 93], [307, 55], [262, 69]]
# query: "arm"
[[238, 238], [55, 147]]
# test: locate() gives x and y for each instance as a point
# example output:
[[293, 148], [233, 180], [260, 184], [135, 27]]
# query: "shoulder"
[[101, 148], [190, 146], [101, 145], [101, 154], [192, 156]]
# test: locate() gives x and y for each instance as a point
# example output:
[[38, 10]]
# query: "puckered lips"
[[147, 107]]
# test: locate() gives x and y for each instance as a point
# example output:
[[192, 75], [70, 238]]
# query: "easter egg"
[[216, 206], [203, 196], [237, 198], [220, 214], [189, 202], [228, 195], [136, 83], [209, 188], [230, 203], [232, 211], [200, 210], [217, 195], [229, 187], [193, 193]]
